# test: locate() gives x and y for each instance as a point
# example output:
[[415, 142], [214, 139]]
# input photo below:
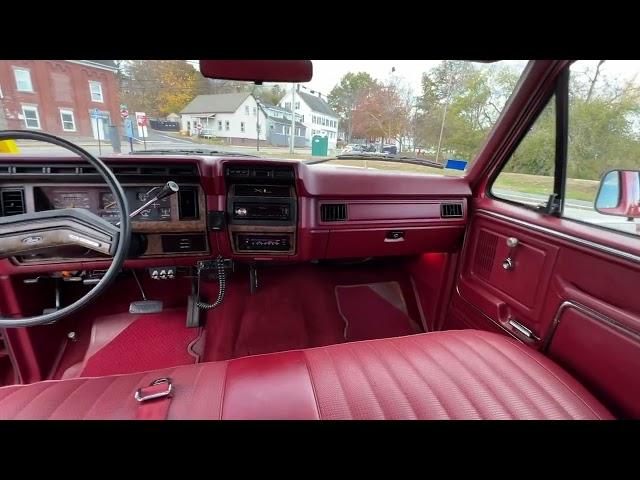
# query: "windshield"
[[437, 111]]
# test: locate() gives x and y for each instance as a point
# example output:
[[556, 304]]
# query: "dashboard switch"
[[162, 273]]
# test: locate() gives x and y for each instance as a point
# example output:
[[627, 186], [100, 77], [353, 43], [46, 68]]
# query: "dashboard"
[[244, 208]]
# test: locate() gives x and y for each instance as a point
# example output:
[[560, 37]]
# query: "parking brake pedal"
[[144, 306]]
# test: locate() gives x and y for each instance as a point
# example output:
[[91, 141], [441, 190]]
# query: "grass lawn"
[[576, 189]]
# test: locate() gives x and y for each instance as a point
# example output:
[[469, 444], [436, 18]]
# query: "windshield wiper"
[[383, 157], [193, 151]]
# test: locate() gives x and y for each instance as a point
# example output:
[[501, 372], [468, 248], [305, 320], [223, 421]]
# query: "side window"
[[603, 155], [528, 176]]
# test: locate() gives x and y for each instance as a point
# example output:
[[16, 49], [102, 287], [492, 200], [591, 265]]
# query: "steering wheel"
[[71, 226]]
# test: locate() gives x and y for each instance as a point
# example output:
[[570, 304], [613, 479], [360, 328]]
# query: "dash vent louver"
[[11, 201], [451, 210], [333, 212]]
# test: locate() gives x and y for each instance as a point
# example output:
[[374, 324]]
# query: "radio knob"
[[241, 212]]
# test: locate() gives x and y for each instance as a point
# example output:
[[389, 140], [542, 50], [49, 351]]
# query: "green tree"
[[271, 95], [346, 94]]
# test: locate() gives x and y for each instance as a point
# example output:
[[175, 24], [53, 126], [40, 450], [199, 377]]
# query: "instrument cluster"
[[101, 201]]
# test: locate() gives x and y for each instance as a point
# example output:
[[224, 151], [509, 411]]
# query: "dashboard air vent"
[[333, 212], [83, 169], [12, 201], [451, 210]]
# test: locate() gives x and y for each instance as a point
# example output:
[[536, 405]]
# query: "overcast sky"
[[327, 73]]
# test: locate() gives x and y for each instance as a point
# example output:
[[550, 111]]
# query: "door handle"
[[509, 262], [395, 236]]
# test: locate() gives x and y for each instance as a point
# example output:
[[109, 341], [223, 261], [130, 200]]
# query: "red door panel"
[[605, 357], [574, 286], [503, 295]]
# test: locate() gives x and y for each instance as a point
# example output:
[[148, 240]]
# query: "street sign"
[[124, 113], [141, 119], [95, 113]]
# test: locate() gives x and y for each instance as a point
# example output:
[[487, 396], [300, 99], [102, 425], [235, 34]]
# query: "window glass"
[[242, 127], [527, 177], [31, 117], [604, 135], [96, 91], [23, 80], [68, 122]]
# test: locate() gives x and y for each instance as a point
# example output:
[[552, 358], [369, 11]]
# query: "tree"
[[271, 95], [346, 94], [460, 103], [384, 112], [160, 87]]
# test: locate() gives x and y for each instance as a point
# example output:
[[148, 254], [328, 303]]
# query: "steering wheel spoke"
[[56, 228]]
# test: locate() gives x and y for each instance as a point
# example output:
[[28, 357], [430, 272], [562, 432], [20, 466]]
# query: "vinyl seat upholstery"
[[464, 374]]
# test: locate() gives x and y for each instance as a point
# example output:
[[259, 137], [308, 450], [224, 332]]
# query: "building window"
[[219, 125], [23, 80], [297, 105], [226, 125], [68, 122], [246, 109], [302, 118], [242, 127], [96, 92], [287, 105], [31, 117], [324, 121]]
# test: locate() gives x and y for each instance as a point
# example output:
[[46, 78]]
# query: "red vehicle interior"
[[384, 296]]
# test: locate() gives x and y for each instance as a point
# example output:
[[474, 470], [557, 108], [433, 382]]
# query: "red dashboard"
[[254, 209]]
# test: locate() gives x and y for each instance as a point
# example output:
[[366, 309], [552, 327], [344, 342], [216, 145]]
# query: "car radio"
[[261, 211], [261, 243]]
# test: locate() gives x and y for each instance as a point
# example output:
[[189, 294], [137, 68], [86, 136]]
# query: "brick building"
[[57, 96]]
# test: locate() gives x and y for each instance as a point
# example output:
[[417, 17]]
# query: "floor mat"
[[374, 310], [127, 343]]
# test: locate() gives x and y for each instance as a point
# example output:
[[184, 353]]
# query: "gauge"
[[109, 207], [159, 210], [71, 200]]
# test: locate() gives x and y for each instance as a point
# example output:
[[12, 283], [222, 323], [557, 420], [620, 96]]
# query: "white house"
[[316, 115], [236, 117]]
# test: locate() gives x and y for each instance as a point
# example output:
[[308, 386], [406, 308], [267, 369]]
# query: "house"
[[234, 117], [278, 126], [58, 96], [316, 115]]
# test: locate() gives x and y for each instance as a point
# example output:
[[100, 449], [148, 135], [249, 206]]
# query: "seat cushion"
[[464, 374]]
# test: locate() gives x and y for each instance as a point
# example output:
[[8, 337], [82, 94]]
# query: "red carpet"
[[376, 310], [150, 342]]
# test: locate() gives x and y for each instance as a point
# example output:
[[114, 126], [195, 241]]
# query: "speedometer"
[[71, 200]]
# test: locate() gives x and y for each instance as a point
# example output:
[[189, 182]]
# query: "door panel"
[[500, 294], [578, 295]]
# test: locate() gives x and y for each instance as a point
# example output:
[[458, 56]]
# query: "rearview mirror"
[[619, 194], [258, 71]]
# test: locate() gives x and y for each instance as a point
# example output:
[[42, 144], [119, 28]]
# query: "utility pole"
[[293, 117], [444, 114], [257, 126]]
